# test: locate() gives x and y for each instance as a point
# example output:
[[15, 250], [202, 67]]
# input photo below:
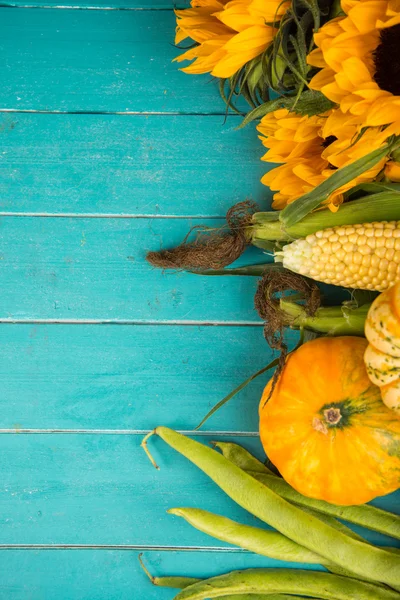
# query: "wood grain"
[[107, 164], [127, 378], [54, 268], [108, 574], [100, 4], [83, 391], [97, 61], [99, 489]]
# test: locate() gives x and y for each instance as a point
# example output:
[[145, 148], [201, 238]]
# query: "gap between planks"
[[75, 7], [108, 216], [132, 432], [144, 322], [119, 113], [123, 547]]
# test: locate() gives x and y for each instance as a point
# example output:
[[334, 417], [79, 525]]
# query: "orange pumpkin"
[[326, 428]]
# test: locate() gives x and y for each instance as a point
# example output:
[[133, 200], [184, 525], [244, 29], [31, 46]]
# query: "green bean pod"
[[365, 515], [261, 541], [287, 581], [242, 458], [365, 560], [178, 582]]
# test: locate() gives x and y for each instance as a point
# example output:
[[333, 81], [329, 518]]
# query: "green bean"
[[291, 581], [242, 458], [261, 541], [331, 566], [169, 582], [175, 582], [365, 515], [184, 582], [333, 522], [303, 528]]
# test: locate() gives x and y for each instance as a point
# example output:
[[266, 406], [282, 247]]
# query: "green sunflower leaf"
[[309, 103], [262, 110], [312, 6], [313, 103]]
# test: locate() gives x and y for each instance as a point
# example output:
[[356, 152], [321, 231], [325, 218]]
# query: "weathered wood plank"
[[62, 268], [162, 165], [126, 377], [107, 61], [110, 575], [101, 489], [100, 4]]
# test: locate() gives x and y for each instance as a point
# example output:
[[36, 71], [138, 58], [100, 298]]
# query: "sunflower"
[[359, 58], [311, 149], [228, 35]]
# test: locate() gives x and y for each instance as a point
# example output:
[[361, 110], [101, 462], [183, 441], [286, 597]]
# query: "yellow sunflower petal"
[[270, 11], [316, 58], [366, 14], [354, 75], [392, 171], [236, 16], [384, 111], [242, 48], [347, 5], [346, 55]]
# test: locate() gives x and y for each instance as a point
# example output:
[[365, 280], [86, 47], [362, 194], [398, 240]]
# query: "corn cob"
[[365, 256]]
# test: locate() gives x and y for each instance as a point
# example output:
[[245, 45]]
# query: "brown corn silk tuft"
[[211, 248], [275, 319]]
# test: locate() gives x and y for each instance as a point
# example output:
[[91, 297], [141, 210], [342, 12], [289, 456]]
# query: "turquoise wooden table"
[[107, 150]]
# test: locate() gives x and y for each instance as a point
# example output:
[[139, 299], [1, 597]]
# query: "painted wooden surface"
[[101, 4], [116, 573], [102, 489], [103, 347], [92, 377], [136, 165], [100, 61], [95, 269]]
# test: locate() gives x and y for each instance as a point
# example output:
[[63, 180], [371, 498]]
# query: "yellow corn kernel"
[[365, 256]]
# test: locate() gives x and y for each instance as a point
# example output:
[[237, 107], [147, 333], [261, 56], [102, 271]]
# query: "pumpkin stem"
[[332, 416]]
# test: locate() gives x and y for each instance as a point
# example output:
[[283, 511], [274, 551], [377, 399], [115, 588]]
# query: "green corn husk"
[[266, 227], [346, 319], [293, 213], [212, 250]]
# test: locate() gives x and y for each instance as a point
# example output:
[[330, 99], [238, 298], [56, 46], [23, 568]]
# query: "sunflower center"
[[387, 60], [329, 140]]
